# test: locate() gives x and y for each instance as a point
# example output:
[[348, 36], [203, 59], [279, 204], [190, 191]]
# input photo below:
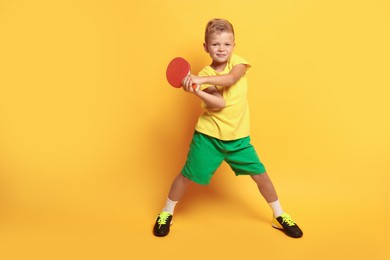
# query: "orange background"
[[91, 135]]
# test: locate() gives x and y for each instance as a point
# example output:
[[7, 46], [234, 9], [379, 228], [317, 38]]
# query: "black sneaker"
[[163, 222], [289, 227]]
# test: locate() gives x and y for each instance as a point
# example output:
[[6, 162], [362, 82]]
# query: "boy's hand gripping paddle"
[[177, 69]]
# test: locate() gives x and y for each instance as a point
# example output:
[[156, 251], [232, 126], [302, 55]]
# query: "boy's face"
[[220, 46]]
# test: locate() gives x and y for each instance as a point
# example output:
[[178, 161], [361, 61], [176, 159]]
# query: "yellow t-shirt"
[[232, 122]]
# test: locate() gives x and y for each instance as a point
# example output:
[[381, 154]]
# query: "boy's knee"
[[184, 178], [260, 178]]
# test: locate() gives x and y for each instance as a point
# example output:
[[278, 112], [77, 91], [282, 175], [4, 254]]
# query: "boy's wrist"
[[202, 80]]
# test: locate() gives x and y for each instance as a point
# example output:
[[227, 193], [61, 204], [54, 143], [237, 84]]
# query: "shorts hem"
[[249, 173], [195, 180]]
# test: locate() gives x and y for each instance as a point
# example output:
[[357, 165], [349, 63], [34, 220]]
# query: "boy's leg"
[[266, 187], [178, 187], [203, 159], [164, 219], [281, 220]]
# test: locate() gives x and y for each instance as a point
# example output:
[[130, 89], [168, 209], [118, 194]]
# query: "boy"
[[222, 131]]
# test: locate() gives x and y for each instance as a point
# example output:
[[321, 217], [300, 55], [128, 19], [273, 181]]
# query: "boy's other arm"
[[211, 96], [225, 80], [213, 99]]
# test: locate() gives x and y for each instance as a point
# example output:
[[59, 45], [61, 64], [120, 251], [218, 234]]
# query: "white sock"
[[169, 206], [276, 208]]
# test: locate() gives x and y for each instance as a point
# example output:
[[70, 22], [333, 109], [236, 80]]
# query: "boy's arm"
[[213, 99], [211, 96], [225, 80]]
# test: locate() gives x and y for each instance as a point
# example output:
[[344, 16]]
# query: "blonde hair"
[[218, 25]]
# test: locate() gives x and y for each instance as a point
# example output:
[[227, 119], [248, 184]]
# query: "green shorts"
[[207, 153]]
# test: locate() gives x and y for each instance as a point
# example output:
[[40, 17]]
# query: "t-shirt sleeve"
[[235, 60]]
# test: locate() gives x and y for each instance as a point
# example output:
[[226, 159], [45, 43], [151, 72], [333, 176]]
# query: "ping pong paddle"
[[177, 69]]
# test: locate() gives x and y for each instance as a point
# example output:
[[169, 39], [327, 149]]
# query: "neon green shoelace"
[[288, 220], [163, 218]]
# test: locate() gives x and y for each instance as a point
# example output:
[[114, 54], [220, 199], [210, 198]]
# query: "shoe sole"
[[290, 235]]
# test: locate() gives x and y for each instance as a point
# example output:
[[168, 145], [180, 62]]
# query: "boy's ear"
[[205, 47]]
